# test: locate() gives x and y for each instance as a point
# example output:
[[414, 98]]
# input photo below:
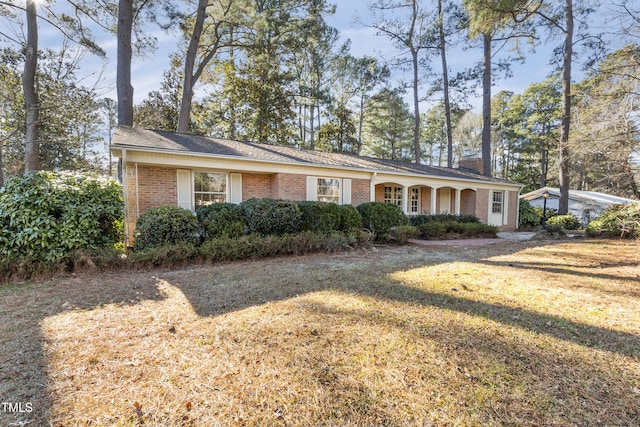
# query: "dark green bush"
[[529, 216], [618, 221], [270, 216], [256, 246], [46, 215], [403, 233], [480, 230], [320, 217], [166, 225], [166, 256], [350, 219], [568, 222], [221, 220], [417, 220], [380, 217], [432, 230]]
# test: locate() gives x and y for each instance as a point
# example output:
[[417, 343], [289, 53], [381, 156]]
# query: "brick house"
[[165, 168]]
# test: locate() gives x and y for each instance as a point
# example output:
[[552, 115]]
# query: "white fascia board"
[[235, 163]]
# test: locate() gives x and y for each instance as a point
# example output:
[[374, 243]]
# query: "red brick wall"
[[360, 191], [482, 205], [157, 186], [513, 211], [425, 200], [468, 202], [257, 185], [289, 186]]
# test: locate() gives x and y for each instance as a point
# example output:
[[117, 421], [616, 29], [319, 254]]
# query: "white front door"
[[445, 200], [496, 208]]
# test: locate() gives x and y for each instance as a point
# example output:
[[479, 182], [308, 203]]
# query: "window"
[[496, 206], [393, 195], [209, 188], [414, 206], [328, 190]]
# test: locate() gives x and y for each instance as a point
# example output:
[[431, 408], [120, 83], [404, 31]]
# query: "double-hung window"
[[209, 188], [328, 190], [393, 195], [497, 202]]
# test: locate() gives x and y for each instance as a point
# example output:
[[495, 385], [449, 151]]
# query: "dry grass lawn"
[[516, 334]]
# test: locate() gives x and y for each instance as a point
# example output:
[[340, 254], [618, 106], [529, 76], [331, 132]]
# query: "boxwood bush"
[[379, 218], [221, 220], [47, 215], [350, 218], [320, 217], [568, 222], [269, 216], [166, 225], [417, 220]]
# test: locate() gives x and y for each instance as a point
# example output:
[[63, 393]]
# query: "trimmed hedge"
[[166, 225], [380, 218], [320, 217], [221, 220], [270, 216], [417, 220], [350, 219], [442, 230]]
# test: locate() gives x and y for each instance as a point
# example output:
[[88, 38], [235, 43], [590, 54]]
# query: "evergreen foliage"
[[221, 220], [166, 225], [380, 218], [269, 216]]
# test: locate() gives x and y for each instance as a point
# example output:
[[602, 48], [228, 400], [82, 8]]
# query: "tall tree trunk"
[[123, 79], [486, 107], [189, 63], [416, 108], [563, 152], [1, 164], [32, 145], [445, 80], [312, 143], [360, 123]]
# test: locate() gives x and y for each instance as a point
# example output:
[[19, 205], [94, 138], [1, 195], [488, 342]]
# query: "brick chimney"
[[473, 164]]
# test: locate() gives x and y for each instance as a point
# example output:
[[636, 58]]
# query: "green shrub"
[[320, 217], [46, 215], [529, 216], [432, 230], [568, 222], [221, 219], [256, 246], [166, 225], [380, 217], [403, 233], [618, 221], [350, 219], [480, 230], [417, 220], [269, 216], [166, 256]]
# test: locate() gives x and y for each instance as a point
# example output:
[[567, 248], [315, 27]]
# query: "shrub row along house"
[[164, 168]]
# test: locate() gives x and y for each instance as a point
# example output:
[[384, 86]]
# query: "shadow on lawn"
[[222, 289]]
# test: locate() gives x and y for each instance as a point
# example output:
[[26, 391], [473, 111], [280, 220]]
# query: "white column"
[[432, 208], [457, 202], [405, 199], [372, 187]]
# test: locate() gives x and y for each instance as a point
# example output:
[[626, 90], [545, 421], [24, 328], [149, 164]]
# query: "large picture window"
[[393, 195], [328, 190], [209, 188]]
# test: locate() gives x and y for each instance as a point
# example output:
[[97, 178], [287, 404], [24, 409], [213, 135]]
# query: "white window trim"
[[411, 190], [393, 200], [340, 187]]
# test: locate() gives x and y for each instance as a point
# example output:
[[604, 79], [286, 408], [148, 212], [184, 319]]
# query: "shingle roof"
[[586, 196], [162, 141]]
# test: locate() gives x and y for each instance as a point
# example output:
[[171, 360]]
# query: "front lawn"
[[516, 333]]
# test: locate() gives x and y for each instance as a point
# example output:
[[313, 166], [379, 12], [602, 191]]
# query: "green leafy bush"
[[568, 222], [417, 220], [270, 216], [529, 216], [221, 219], [451, 229], [46, 215], [432, 230], [169, 255], [380, 217], [166, 225], [350, 219], [320, 217], [618, 221]]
